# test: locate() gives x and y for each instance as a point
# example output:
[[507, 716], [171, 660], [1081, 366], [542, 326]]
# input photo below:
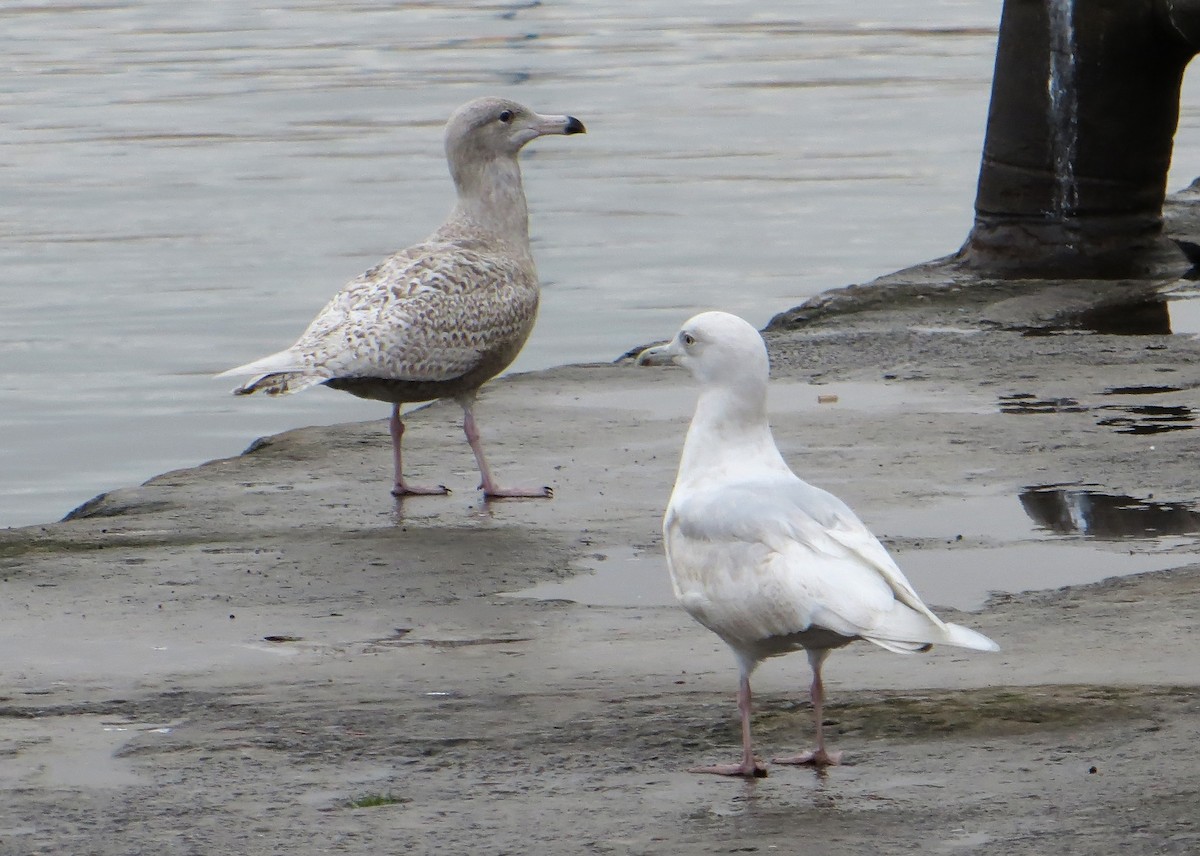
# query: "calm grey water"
[[184, 185]]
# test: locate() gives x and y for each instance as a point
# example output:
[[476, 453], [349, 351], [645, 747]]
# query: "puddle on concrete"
[[1042, 509], [1184, 309], [1148, 318], [679, 399], [162, 642], [954, 575], [992, 517], [1058, 509], [1151, 318], [618, 577], [65, 752], [963, 842], [962, 577], [1139, 418], [1177, 314], [1083, 510]]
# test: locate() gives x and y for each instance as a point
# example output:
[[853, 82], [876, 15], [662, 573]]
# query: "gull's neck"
[[730, 434], [491, 203]]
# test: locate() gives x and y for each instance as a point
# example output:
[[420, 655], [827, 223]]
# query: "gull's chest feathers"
[[757, 554]]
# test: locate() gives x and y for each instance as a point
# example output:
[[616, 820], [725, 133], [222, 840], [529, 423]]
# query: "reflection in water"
[[1075, 510], [1150, 419], [1140, 389], [1148, 318], [936, 552], [1130, 418], [1178, 313], [1026, 402], [621, 576]]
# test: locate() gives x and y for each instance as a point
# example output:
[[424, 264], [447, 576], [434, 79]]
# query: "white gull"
[[763, 559], [444, 316]]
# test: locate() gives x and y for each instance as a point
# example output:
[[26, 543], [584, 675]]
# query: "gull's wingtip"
[[965, 637]]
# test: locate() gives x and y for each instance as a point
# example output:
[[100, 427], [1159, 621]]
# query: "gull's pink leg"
[[750, 767], [401, 487], [491, 490], [817, 757]]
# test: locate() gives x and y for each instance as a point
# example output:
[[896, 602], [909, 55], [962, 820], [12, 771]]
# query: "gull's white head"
[[717, 348]]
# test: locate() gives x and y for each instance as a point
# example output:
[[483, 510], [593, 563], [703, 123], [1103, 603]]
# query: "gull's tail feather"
[[900, 647], [279, 383], [277, 374]]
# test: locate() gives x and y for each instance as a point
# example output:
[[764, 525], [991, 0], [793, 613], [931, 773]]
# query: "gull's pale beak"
[[661, 355]]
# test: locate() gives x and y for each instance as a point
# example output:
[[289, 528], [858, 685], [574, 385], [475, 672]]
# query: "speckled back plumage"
[[432, 314]]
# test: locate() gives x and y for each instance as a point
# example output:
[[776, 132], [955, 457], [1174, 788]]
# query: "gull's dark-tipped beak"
[[559, 124], [659, 356]]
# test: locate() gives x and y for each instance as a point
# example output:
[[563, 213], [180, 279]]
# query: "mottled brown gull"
[[441, 318], [766, 561]]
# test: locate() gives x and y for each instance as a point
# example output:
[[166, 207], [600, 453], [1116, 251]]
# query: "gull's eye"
[[506, 116], [688, 339]]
